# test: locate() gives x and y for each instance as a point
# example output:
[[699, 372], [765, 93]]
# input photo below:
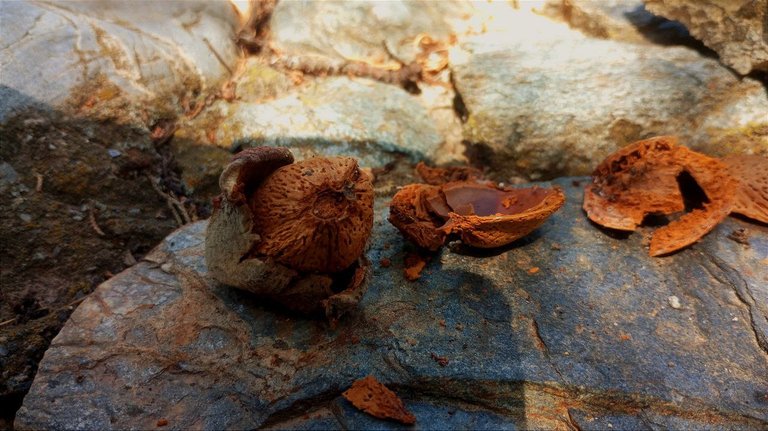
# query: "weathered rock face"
[[559, 102], [95, 56], [338, 30], [336, 116], [736, 29], [592, 338]]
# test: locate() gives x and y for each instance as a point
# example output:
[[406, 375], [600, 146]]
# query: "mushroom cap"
[[315, 215], [483, 215], [752, 197], [642, 179]]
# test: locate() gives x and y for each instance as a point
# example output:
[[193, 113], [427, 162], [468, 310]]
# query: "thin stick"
[[94, 225]]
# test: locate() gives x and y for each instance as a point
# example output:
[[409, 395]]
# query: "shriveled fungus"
[[642, 179], [752, 196], [292, 232], [481, 214], [372, 397]]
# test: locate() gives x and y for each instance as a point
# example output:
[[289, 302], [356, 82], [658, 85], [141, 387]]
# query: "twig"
[[92, 221], [176, 207], [39, 185], [8, 322]]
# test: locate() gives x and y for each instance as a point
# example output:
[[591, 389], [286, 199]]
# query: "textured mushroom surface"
[[294, 233], [752, 197], [315, 215], [482, 215], [643, 179], [372, 397]]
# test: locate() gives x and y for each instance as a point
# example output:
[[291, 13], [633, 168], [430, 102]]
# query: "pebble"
[[674, 302], [113, 153], [166, 267], [26, 218]]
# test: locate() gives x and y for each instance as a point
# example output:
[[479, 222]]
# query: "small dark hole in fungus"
[[693, 195]]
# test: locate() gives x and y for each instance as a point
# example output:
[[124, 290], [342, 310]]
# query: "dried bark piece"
[[483, 215], [439, 176], [372, 397], [752, 197], [315, 215], [642, 179]]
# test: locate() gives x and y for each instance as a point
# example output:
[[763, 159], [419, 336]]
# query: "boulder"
[[358, 117], [571, 327], [93, 57], [558, 102], [735, 29]]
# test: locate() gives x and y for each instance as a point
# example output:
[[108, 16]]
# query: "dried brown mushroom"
[[292, 232], [641, 179], [752, 196], [372, 397], [482, 215]]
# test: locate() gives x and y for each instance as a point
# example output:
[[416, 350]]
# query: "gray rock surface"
[[736, 29], [560, 102], [81, 53], [588, 341], [338, 30], [336, 116]]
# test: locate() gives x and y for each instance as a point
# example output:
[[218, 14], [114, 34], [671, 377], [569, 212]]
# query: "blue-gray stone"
[[588, 341]]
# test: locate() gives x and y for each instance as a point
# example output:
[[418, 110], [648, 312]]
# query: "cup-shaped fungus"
[[481, 214], [292, 232], [643, 179]]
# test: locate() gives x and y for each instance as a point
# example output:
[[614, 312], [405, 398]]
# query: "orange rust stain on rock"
[[372, 397]]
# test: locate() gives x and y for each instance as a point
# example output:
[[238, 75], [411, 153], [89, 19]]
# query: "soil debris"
[[372, 397], [740, 235], [441, 360], [414, 264], [440, 176]]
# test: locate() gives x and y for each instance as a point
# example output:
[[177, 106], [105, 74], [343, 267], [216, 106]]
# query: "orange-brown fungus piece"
[[486, 217], [314, 215], [414, 264], [439, 176], [377, 400], [642, 179], [483, 215], [412, 215], [752, 196]]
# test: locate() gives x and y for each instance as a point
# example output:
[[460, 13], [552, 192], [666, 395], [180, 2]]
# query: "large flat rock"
[[589, 340]]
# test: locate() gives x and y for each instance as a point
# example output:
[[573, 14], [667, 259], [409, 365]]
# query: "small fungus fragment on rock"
[[372, 397], [481, 214], [644, 179], [439, 176], [292, 232]]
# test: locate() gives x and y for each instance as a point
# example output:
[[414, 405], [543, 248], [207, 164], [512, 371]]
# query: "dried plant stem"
[[177, 208], [94, 225]]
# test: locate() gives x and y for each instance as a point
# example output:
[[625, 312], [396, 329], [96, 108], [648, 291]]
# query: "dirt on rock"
[[79, 201]]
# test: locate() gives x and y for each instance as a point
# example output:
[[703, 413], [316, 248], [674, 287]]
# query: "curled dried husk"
[[482, 215], [292, 232], [752, 197], [641, 179]]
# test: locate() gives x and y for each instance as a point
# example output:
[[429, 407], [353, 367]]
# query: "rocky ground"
[[115, 122]]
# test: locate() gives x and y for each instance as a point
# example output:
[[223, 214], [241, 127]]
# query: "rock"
[[336, 116], [588, 341], [735, 29], [559, 102], [92, 58], [359, 30]]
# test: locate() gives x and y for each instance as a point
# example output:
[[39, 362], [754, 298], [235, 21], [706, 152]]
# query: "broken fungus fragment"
[[642, 179], [439, 176], [372, 397], [292, 232], [482, 215], [752, 195]]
